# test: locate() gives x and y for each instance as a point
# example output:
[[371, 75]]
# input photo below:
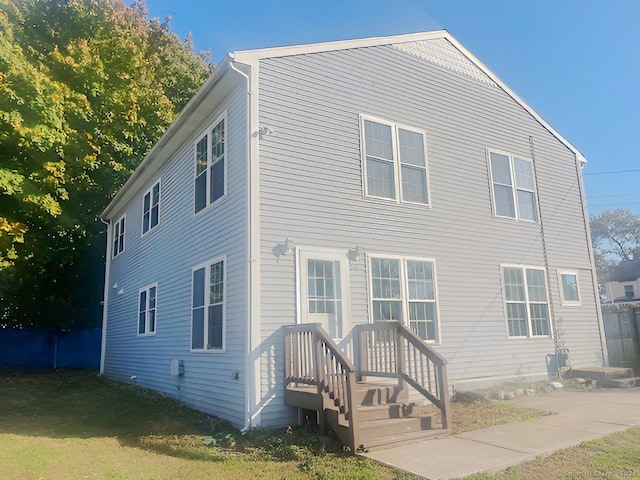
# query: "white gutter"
[[105, 298], [251, 377]]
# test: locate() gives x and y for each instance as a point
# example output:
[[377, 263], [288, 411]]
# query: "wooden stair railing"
[[391, 350], [312, 358]]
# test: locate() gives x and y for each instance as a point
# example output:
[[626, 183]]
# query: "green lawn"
[[74, 425], [616, 456], [70, 425]]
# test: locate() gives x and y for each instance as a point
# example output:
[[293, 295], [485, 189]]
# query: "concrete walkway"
[[580, 415]]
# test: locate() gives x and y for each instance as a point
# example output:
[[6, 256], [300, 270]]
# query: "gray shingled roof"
[[627, 271]]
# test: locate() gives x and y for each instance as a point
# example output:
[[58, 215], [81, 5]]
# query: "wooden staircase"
[[608, 377], [367, 415]]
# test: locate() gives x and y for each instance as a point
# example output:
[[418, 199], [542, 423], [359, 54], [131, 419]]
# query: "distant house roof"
[[627, 271]]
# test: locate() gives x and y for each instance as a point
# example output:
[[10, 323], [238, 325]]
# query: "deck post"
[[443, 386], [363, 351], [287, 356], [319, 361], [400, 355]]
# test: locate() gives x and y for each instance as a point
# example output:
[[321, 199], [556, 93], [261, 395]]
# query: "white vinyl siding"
[[395, 162], [526, 301], [210, 180], [404, 290], [118, 237], [207, 311], [147, 307], [569, 287], [513, 187], [151, 208]]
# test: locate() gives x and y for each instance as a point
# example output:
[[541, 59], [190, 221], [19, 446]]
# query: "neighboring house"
[[623, 285], [347, 183]]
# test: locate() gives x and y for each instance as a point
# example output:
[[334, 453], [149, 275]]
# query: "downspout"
[[596, 290], [105, 298], [250, 390]]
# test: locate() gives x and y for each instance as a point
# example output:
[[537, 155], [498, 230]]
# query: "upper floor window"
[[628, 291], [525, 296], [118, 237], [513, 187], [147, 310], [208, 312], [569, 291], [210, 166], [404, 290], [395, 162], [151, 208]]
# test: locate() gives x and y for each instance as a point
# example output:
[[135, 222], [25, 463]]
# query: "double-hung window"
[[513, 187], [151, 208], [209, 183], [526, 304], [404, 290], [147, 300], [569, 289], [395, 162], [208, 307], [118, 237]]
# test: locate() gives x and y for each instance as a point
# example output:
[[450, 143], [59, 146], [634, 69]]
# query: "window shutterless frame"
[[520, 180], [406, 297], [389, 159], [527, 301], [204, 165], [569, 284], [147, 310], [151, 208], [118, 240], [206, 266]]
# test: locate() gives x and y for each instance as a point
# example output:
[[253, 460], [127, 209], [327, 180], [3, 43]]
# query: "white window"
[[525, 296], [569, 289], [210, 183], [151, 208], [208, 307], [395, 162], [147, 304], [513, 187], [118, 237], [404, 290], [629, 292]]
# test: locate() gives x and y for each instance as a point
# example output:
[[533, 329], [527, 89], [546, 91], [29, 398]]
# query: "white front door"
[[323, 290]]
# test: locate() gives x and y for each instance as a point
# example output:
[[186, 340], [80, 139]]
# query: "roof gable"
[[627, 271], [438, 47]]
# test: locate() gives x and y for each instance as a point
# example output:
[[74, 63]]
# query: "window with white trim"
[[569, 289], [118, 237], [151, 208], [208, 307], [629, 292], [513, 187], [526, 304], [404, 290], [147, 305], [210, 183], [395, 162]]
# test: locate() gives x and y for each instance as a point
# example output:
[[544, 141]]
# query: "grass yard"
[[74, 425], [616, 456]]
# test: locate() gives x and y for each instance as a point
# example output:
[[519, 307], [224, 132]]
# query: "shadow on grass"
[[77, 404]]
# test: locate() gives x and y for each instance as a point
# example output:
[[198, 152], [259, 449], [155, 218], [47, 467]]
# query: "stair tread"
[[381, 442], [386, 421]]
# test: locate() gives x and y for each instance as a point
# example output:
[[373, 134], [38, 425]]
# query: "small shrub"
[[467, 398]]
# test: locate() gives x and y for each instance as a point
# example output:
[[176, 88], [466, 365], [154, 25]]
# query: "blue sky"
[[576, 62]]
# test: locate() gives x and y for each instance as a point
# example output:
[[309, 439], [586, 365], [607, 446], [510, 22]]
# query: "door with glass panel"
[[323, 291]]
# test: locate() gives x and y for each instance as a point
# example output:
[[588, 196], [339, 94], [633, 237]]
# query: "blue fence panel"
[[42, 349], [78, 349], [26, 348]]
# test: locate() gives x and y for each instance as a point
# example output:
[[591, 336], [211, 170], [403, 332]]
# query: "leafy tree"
[[616, 237], [86, 88]]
